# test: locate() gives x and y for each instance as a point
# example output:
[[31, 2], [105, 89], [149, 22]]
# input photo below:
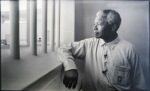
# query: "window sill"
[[19, 74]]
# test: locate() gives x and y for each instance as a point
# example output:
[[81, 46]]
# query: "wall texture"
[[134, 26]]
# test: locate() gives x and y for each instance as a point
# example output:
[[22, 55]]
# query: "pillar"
[[28, 22], [57, 25], [33, 26], [44, 26], [0, 29], [52, 34], [14, 28]]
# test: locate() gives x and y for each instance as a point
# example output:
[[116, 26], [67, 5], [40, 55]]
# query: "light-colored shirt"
[[113, 66]]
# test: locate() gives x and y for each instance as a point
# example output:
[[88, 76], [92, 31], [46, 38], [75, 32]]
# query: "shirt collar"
[[115, 41]]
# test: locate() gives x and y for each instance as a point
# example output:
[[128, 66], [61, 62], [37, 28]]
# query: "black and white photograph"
[[75, 45]]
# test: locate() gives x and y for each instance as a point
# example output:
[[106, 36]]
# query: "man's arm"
[[67, 54]]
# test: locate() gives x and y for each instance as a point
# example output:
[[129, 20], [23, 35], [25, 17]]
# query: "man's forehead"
[[99, 14]]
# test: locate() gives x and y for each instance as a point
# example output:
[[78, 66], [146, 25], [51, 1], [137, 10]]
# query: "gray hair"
[[111, 17]]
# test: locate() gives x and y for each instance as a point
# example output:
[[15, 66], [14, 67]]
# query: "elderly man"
[[111, 64]]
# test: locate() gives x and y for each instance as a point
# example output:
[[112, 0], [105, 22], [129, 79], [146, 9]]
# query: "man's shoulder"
[[126, 44]]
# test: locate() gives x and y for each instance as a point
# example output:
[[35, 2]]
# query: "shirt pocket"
[[121, 75]]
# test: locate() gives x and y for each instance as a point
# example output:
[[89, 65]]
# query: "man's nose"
[[95, 27]]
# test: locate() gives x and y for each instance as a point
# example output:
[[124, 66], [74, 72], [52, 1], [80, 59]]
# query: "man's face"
[[101, 28], [98, 27]]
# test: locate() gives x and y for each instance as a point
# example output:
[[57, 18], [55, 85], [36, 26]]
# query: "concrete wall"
[[134, 27], [67, 20]]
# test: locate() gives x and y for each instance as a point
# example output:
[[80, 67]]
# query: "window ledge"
[[18, 74]]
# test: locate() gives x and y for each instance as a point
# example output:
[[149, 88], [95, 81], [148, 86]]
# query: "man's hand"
[[70, 78]]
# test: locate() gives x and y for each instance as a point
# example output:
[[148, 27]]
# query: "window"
[[5, 24]]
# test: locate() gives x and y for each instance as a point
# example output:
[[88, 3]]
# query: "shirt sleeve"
[[69, 52], [138, 80]]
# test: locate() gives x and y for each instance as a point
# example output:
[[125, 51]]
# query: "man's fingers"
[[66, 81], [69, 85], [70, 78], [74, 84]]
